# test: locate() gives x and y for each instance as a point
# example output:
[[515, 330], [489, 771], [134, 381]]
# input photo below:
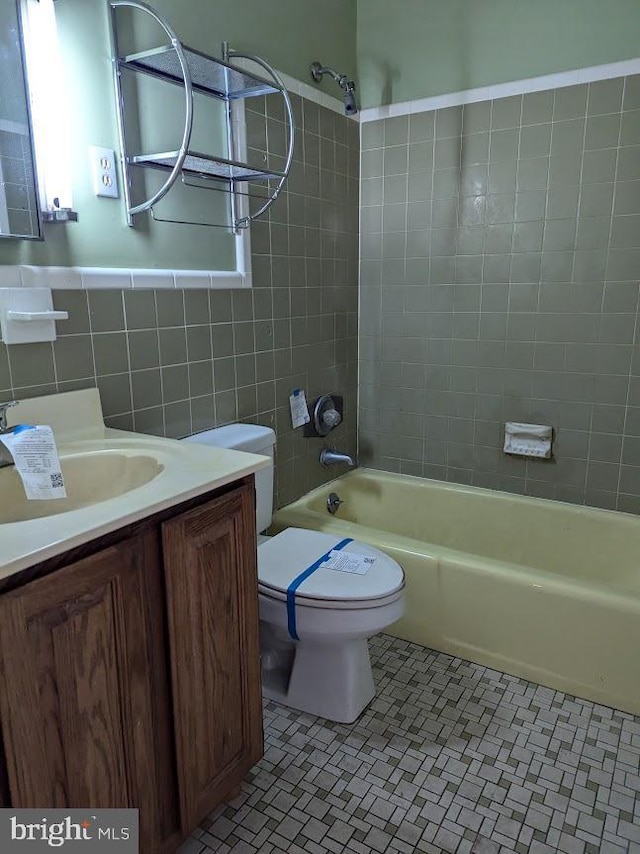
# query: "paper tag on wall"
[[36, 459], [299, 408], [349, 562]]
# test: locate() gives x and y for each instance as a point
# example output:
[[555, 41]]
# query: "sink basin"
[[89, 478], [113, 478]]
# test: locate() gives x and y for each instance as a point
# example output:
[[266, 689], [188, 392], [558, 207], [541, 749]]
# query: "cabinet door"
[[210, 566], [81, 708]]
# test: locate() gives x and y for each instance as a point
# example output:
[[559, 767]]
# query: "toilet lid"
[[284, 557]]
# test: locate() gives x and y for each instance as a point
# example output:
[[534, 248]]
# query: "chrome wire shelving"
[[197, 72], [208, 75], [204, 166]]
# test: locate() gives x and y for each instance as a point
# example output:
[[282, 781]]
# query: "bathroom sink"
[[89, 478], [113, 478]]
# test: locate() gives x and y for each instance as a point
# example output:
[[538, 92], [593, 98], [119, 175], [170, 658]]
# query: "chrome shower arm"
[[348, 86], [318, 71]]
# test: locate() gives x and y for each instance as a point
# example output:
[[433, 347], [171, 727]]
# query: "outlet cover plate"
[[103, 172]]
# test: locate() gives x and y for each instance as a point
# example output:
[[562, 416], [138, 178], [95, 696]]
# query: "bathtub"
[[538, 589]]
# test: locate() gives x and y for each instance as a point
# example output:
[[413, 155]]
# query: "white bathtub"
[[539, 589]]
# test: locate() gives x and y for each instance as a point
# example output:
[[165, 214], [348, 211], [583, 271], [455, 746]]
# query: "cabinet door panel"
[[210, 565], [77, 695], [220, 619], [83, 667]]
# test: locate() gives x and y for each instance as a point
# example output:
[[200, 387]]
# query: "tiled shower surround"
[[175, 362], [500, 269]]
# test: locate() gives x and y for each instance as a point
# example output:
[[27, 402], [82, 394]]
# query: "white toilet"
[[314, 620]]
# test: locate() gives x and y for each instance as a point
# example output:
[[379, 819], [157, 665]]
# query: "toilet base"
[[332, 681]]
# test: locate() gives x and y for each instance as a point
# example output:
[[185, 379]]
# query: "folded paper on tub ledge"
[[528, 440]]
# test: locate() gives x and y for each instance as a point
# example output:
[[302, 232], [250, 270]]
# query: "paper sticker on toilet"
[[357, 564]]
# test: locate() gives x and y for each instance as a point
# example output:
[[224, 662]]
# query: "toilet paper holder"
[[528, 440]]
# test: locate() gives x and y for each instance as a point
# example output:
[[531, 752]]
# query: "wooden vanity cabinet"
[[129, 676]]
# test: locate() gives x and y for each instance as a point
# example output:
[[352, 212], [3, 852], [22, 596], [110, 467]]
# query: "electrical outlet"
[[103, 169]]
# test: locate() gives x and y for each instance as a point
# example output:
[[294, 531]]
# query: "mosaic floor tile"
[[449, 757]]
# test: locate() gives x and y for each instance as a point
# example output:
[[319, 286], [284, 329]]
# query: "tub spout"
[[331, 457]]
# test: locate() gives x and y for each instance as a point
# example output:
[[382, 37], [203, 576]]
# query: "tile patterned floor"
[[450, 757]]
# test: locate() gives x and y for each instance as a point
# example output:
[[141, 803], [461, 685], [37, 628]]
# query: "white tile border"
[[14, 127], [83, 278], [503, 90]]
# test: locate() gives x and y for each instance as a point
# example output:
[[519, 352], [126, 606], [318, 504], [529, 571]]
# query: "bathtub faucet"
[[331, 457]]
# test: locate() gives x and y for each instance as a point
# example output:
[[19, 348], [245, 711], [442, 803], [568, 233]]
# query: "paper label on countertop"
[[299, 408], [352, 562], [35, 456]]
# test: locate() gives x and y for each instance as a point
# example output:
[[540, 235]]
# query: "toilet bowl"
[[320, 599], [322, 666]]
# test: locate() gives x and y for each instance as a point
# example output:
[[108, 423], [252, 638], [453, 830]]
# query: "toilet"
[[321, 597]]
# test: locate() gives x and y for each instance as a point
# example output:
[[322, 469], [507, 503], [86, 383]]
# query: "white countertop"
[[187, 470]]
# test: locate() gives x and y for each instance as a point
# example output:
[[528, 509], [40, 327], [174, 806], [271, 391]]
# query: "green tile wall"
[[500, 259], [174, 362]]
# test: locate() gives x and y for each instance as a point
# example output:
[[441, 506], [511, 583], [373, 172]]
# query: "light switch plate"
[[103, 170]]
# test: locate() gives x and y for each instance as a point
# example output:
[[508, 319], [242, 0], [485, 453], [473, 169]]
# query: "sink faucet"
[[5, 456], [331, 457], [3, 415]]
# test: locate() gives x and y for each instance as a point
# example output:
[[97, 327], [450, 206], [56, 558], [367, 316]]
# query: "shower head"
[[349, 97], [348, 86]]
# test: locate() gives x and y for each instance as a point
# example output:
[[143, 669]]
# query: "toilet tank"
[[255, 440]]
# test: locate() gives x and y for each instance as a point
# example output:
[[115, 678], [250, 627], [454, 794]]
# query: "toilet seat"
[[282, 558]]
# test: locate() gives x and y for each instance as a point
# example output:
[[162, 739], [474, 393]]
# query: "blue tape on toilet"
[[297, 581]]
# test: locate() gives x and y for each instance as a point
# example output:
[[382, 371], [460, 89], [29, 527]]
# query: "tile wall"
[[172, 362], [16, 183], [499, 282]]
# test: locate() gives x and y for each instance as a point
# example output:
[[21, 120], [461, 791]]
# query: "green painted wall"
[[288, 33], [417, 48]]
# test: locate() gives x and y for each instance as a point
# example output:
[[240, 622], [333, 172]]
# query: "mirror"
[[19, 207]]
